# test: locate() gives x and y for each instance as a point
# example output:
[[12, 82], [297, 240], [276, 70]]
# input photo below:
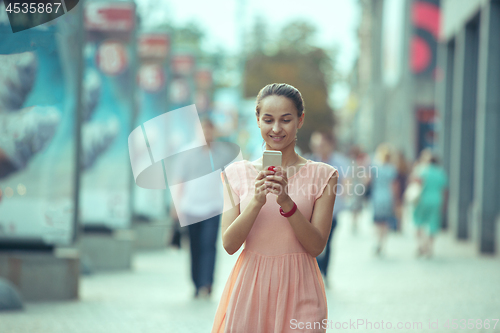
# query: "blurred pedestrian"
[[360, 182], [196, 204], [325, 151], [427, 214], [413, 186], [401, 179], [383, 193], [283, 218]]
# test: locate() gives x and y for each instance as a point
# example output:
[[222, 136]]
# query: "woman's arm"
[[236, 226], [314, 235]]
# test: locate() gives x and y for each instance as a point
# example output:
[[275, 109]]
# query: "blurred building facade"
[[469, 104], [393, 82], [426, 77]]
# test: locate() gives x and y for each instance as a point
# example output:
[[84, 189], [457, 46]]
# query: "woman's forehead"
[[274, 102], [277, 105]]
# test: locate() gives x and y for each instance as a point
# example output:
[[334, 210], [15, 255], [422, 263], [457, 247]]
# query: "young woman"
[[383, 193], [427, 214], [284, 217]]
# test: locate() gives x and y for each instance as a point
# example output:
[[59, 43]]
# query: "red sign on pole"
[[183, 64], [110, 16], [154, 46]]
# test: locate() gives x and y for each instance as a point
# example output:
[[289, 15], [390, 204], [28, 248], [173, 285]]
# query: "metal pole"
[[78, 119]]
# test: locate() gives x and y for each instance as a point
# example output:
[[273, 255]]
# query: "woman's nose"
[[276, 127]]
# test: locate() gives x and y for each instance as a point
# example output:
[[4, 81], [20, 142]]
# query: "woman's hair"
[[281, 89], [328, 136], [401, 163], [434, 159], [383, 153], [208, 120], [425, 156]]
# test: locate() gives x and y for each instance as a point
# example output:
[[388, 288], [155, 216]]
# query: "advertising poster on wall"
[[426, 20], [38, 94], [153, 80], [108, 103]]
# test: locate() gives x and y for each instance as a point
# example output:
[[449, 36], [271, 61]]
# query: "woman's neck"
[[289, 156]]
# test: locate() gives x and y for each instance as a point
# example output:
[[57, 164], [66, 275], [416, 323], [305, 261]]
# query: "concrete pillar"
[[108, 251], [152, 235], [444, 95], [43, 276], [487, 158], [408, 128], [463, 129]]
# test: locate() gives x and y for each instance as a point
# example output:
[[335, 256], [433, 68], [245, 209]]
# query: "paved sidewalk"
[[157, 295]]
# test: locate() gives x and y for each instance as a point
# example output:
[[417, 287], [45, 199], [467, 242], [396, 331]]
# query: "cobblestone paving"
[[156, 296]]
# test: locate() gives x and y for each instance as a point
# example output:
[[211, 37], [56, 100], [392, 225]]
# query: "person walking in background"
[[401, 179], [427, 214], [325, 151], [361, 180], [194, 206], [383, 193], [414, 188]]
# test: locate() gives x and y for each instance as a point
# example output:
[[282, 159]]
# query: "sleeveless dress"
[[275, 283]]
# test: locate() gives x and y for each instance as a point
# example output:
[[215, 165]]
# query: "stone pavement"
[[397, 287]]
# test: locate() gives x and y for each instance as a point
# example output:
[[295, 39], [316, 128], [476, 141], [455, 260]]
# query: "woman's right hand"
[[261, 189]]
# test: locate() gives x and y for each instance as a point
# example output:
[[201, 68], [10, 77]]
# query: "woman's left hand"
[[278, 184]]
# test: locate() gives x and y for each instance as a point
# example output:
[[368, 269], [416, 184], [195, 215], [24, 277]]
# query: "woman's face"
[[278, 121]]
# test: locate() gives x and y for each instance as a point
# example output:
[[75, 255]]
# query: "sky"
[[336, 22]]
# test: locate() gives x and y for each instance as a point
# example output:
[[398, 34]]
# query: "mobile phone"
[[271, 157]]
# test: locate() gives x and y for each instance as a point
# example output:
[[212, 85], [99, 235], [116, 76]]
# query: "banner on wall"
[[108, 105], [153, 80], [426, 20], [38, 93]]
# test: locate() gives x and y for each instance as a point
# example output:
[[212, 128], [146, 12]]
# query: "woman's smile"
[[277, 138]]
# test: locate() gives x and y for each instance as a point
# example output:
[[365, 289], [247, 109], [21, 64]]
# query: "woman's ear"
[[301, 120]]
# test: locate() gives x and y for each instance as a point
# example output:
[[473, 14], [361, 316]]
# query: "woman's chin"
[[276, 145]]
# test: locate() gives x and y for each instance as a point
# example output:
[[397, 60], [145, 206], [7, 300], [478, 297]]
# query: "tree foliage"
[[298, 62]]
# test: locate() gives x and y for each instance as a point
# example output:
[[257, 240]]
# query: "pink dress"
[[274, 281]]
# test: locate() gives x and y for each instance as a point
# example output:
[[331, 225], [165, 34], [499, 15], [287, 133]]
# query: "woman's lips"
[[277, 138]]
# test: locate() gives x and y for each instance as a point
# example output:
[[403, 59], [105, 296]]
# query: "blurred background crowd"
[[400, 96]]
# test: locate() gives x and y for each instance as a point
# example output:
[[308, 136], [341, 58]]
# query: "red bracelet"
[[290, 213]]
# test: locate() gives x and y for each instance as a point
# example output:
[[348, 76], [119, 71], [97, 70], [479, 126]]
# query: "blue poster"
[[108, 88], [38, 90], [153, 79]]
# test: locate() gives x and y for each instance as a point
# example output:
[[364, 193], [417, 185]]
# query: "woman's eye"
[[267, 120], [287, 120]]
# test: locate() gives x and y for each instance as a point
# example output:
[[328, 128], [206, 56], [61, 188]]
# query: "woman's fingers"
[[277, 179], [259, 182], [275, 187], [262, 174]]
